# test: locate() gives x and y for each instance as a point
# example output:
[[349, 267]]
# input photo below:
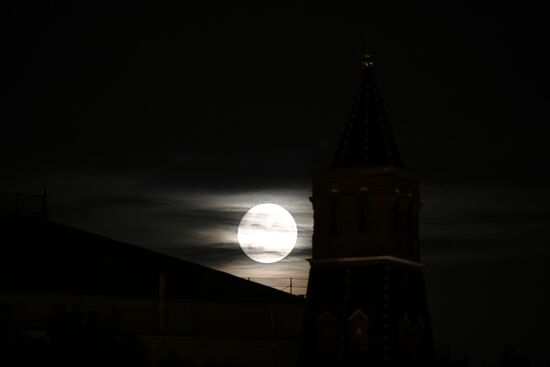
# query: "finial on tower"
[[367, 61]]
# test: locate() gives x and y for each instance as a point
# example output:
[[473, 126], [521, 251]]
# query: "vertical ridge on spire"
[[368, 139]]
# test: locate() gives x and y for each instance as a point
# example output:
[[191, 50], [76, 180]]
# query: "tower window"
[[326, 334], [397, 218], [404, 334], [411, 222], [335, 213], [364, 213], [358, 332]]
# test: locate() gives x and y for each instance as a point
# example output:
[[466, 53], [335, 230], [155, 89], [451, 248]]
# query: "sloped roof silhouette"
[[368, 139], [45, 257]]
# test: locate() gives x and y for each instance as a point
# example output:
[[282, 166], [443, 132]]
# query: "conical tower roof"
[[368, 139]]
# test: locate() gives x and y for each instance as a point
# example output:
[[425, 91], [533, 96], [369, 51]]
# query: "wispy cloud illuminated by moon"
[[199, 225], [235, 205], [209, 233]]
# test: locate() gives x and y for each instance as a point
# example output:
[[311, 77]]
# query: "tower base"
[[366, 311]]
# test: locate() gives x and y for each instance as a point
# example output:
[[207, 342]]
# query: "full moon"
[[267, 233]]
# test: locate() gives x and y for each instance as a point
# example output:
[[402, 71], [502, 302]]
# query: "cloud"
[[195, 224], [220, 213], [461, 223]]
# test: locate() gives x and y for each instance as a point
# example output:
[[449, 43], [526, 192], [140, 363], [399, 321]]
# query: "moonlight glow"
[[267, 233]]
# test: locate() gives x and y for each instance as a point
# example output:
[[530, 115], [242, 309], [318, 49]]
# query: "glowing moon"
[[267, 233]]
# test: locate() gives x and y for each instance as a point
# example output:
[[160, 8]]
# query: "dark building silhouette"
[[178, 309], [366, 299]]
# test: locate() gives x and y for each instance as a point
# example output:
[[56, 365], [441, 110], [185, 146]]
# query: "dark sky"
[[161, 124]]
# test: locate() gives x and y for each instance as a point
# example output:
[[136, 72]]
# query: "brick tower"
[[366, 299]]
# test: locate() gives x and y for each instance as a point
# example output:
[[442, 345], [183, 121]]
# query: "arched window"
[[417, 341], [404, 335], [335, 212], [358, 332], [364, 213], [410, 222], [397, 218], [326, 342]]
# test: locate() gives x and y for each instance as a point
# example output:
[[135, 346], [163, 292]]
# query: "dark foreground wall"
[[190, 332]]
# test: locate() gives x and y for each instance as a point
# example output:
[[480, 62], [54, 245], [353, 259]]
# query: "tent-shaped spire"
[[368, 140]]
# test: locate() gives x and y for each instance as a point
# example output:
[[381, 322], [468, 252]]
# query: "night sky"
[[161, 124]]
